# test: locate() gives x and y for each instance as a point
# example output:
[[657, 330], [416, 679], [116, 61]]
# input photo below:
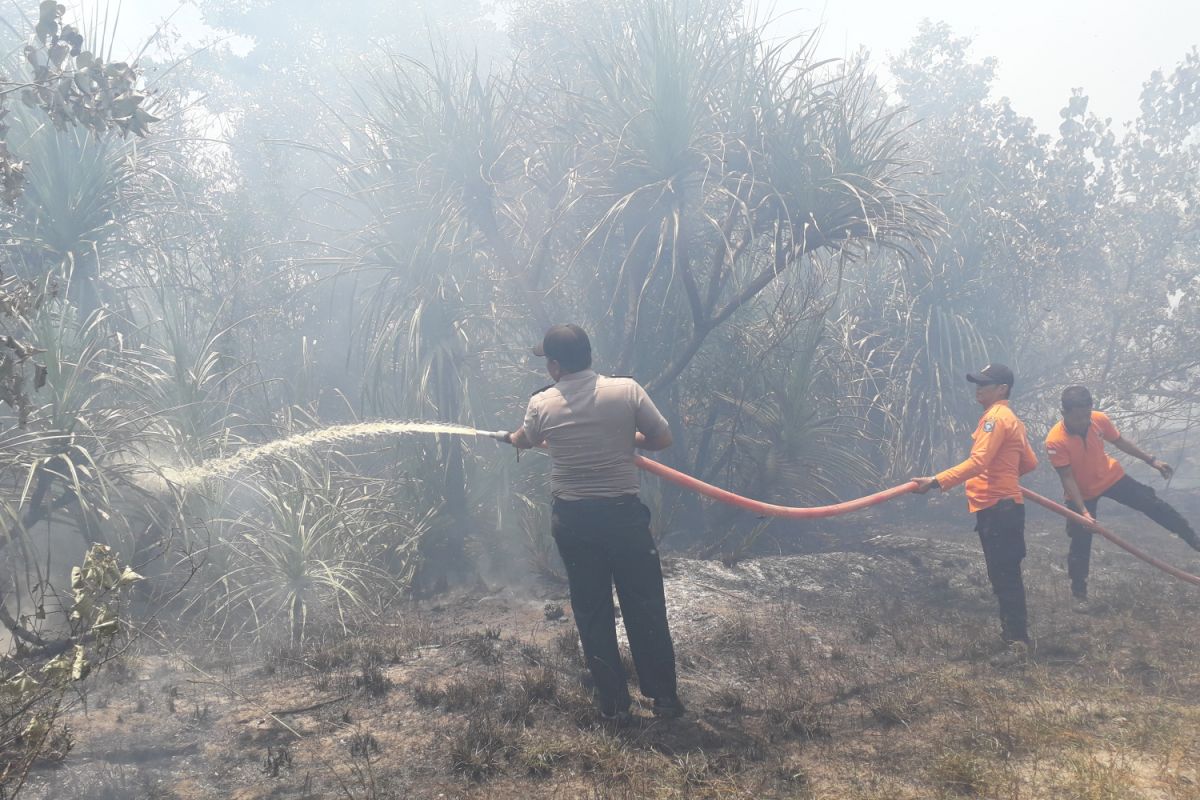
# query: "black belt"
[[598, 502]]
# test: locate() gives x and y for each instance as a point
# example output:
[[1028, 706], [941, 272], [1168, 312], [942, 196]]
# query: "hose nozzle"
[[500, 436]]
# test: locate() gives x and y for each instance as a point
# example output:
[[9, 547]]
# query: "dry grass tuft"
[[481, 750]]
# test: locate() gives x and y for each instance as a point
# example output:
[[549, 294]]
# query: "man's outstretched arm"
[[983, 451], [1126, 446]]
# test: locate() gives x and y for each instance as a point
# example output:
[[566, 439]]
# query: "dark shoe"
[[1192, 541], [668, 708], [1014, 655], [1079, 601]]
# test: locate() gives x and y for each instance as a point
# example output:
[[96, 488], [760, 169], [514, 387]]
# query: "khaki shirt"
[[588, 422]]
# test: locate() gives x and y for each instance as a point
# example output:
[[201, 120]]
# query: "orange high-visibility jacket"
[[1000, 455]]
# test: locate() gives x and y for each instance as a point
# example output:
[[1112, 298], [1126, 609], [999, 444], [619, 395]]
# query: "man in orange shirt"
[[1076, 449], [999, 456]]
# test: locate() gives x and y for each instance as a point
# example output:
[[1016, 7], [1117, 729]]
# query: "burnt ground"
[[856, 669]]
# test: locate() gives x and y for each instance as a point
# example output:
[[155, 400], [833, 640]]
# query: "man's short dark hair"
[[576, 363], [1076, 397]]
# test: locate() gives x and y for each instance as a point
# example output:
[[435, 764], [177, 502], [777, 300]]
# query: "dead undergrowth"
[[839, 675]]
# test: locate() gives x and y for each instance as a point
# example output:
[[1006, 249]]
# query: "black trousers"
[[1127, 492], [1001, 530], [607, 541]]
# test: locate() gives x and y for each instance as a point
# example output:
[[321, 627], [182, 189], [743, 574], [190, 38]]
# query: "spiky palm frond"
[[75, 424], [709, 164], [790, 440], [77, 196], [183, 384], [430, 146], [914, 346]]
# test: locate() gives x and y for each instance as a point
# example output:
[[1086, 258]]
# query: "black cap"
[[991, 375], [566, 344]]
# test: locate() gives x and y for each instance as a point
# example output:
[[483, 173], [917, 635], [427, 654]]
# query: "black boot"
[[668, 707]]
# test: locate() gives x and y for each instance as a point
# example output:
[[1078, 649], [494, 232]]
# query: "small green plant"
[[37, 688], [306, 548]]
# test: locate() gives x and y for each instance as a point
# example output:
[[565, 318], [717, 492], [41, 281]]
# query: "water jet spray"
[[368, 430]]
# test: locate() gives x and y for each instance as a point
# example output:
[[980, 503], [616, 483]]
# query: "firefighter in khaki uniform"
[[1076, 449], [999, 456], [592, 423]]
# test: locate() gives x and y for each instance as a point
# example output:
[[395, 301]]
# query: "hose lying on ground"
[[819, 512]]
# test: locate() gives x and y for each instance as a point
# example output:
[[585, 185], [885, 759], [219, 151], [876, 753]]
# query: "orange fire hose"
[[819, 512], [769, 509], [1112, 537]]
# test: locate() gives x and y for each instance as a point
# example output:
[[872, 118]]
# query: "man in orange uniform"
[[1076, 449], [999, 456]]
